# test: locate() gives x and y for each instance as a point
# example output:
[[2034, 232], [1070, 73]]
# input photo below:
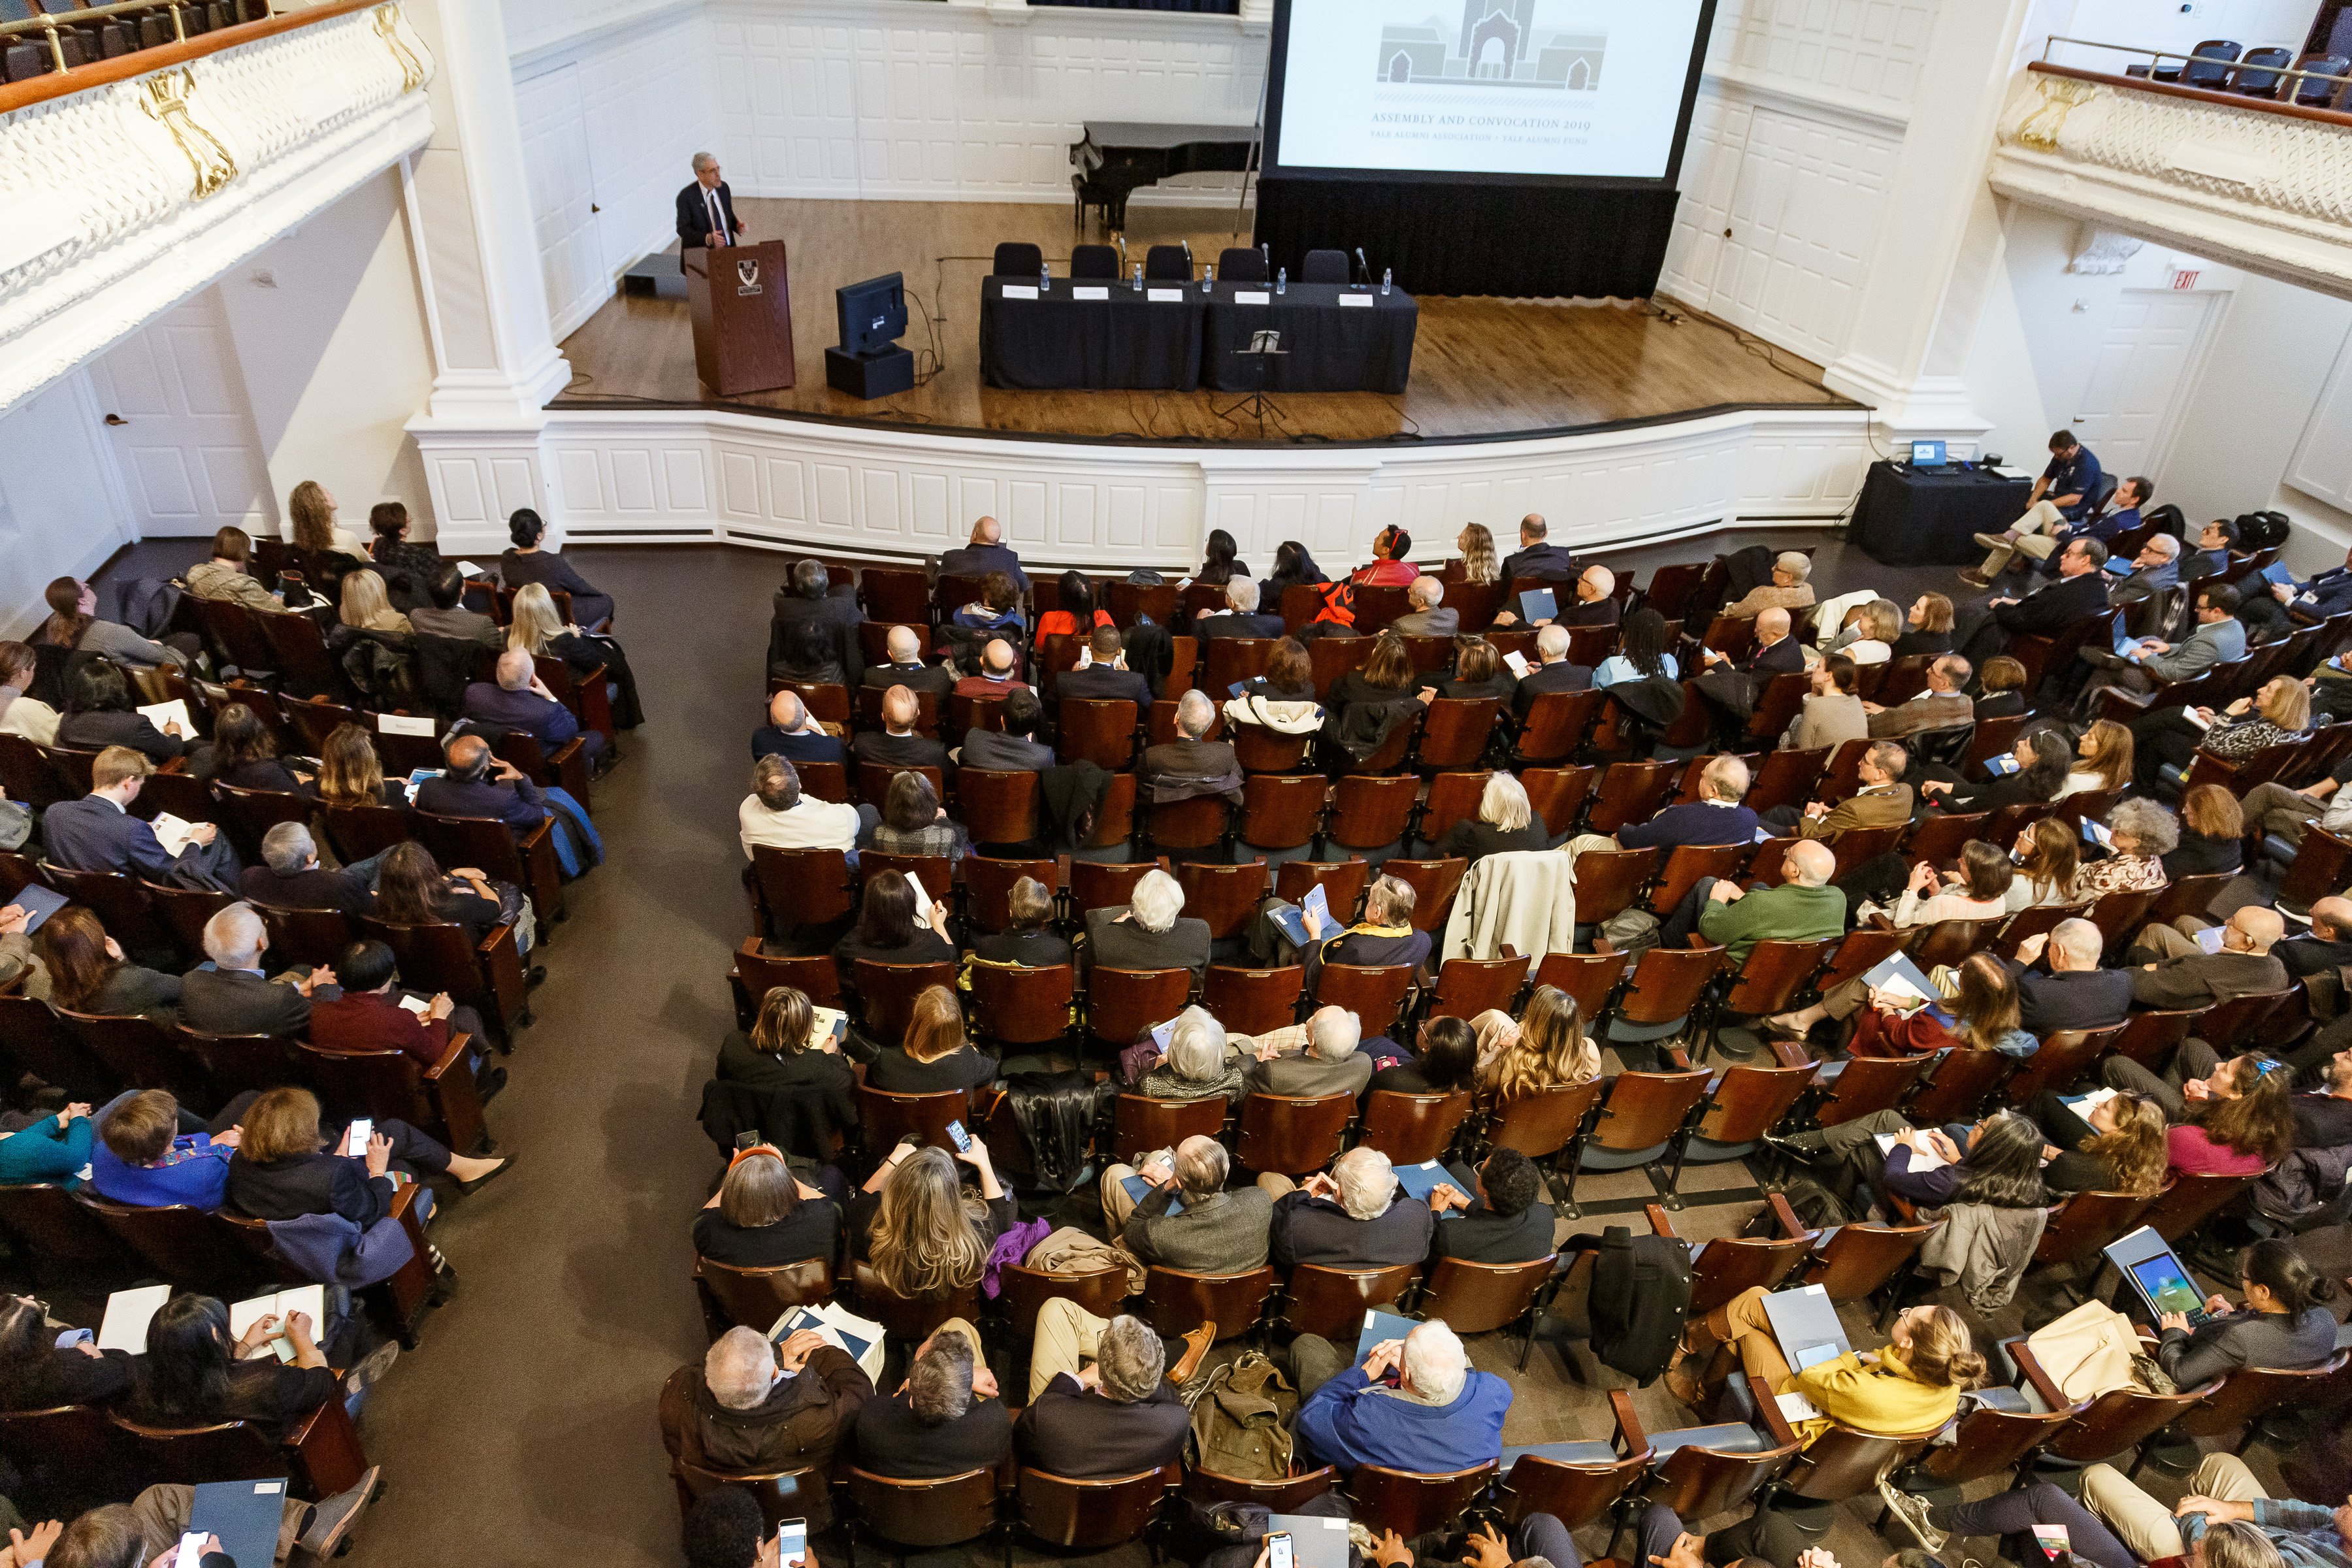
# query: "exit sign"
[[2184, 279]]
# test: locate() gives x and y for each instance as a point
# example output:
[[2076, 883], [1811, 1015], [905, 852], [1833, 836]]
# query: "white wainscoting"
[[674, 475]]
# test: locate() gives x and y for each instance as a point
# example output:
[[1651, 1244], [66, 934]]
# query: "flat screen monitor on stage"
[[872, 314], [1483, 91]]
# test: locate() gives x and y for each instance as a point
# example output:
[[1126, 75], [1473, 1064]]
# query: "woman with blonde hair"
[[1549, 1050], [1871, 638], [2279, 714], [764, 1216], [926, 1236], [366, 608], [2105, 760], [350, 772], [2048, 855], [1912, 1385], [1506, 824], [934, 1058], [539, 632], [311, 509], [1479, 563], [2118, 1148]]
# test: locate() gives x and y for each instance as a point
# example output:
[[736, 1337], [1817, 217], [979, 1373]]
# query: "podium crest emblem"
[[747, 273]]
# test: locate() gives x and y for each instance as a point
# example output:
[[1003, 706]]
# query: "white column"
[[1939, 248], [495, 360]]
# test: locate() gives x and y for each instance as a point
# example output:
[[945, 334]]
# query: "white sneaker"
[[1911, 1512]]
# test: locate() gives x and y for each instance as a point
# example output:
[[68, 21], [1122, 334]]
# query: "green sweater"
[[1786, 913]]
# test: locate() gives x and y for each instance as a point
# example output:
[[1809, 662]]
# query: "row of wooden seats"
[[77, 1451], [70, 45]]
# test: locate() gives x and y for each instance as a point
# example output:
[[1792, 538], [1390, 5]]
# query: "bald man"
[[2327, 945], [2174, 972], [520, 700], [907, 668], [1595, 603], [996, 677], [987, 553], [479, 784], [792, 734], [896, 745], [1535, 558], [1804, 908]]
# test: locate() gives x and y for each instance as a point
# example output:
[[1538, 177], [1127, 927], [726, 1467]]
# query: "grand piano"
[[1115, 158]]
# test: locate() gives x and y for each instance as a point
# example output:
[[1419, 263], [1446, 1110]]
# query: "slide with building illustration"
[[1563, 88]]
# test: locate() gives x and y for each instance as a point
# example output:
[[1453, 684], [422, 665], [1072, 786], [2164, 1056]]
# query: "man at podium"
[[705, 210]]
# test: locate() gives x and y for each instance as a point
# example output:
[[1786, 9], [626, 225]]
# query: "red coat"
[[1386, 575], [369, 1021]]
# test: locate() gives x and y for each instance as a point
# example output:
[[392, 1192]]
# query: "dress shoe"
[[506, 1163], [537, 976], [1196, 1345], [1974, 578], [1997, 540], [331, 1522], [487, 1083], [1684, 1387]]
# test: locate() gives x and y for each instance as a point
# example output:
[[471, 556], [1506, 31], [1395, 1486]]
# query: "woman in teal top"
[[1644, 652], [53, 1149]]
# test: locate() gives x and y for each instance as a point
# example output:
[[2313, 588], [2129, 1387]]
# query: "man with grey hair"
[[1428, 617], [1187, 1219], [290, 877], [520, 700], [1112, 1417], [1240, 617], [750, 1405], [780, 814], [2155, 569], [1554, 671], [1148, 933], [987, 553], [706, 210], [1718, 816], [1414, 1404], [2060, 984], [1348, 1217], [234, 997], [1943, 704], [1385, 936], [1331, 1063], [806, 596], [946, 1416], [1787, 590], [1190, 767]]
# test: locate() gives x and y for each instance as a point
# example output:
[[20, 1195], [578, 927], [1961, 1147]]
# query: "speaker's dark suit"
[[694, 219]]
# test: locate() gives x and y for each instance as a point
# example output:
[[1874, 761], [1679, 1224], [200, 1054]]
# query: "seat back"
[[1774, 973], [1123, 1003], [1455, 730], [184, 1245], [2189, 1201], [889, 990], [884, 1117], [2208, 64], [988, 885], [1331, 1301], [1226, 896], [1589, 977], [949, 1510], [1369, 813], [1373, 992], [1292, 1134], [361, 831], [1558, 795], [780, 1494], [1252, 1001], [1630, 792], [235, 1063], [1544, 1122], [1843, 1463], [1750, 1100], [119, 901], [904, 1319], [1869, 1084], [1731, 1264], [2064, 1057], [1643, 1109], [1342, 881], [1280, 812], [1286, 1495], [1092, 1515], [1176, 1301], [1095, 884], [1860, 951], [1991, 1441], [1101, 732], [138, 1053], [2083, 1225], [1685, 865], [1433, 883], [1140, 1123], [1022, 1006], [25, 775], [1023, 1290], [2121, 1420], [1607, 881], [316, 937], [2235, 1023], [1961, 1080], [1409, 1127], [1859, 1258], [1016, 259], [2249, 1392], [1240, 264], [1324, 266], [756, 1298], [1411, 1504], [1667, 984], [998, 808], [1698, 1482], [1557, 723], [1476, 1298]]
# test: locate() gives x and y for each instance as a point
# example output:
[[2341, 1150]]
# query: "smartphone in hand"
[[1278, 1549], [792, 1542], [356, 1140], [962, 1139]]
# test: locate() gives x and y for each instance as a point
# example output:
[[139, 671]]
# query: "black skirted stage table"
[[1927, 517], [1114, 336]]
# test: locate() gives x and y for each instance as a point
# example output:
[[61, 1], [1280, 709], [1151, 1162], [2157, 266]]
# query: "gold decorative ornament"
[[164, 97], [387, 28], [2058, 97]]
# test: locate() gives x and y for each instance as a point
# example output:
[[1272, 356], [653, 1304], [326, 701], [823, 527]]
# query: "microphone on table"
[[1122, 251], [1365, 265]]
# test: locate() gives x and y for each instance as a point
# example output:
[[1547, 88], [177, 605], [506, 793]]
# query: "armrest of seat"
[[2044, 1386], [325, 1449], [542, 875], [1630, 1438], [1791, 1226], [1762, 1409], [1660, 1223], [459, 1043], [457, 1097], [501, 963], [569, 768], [1789, 1053]]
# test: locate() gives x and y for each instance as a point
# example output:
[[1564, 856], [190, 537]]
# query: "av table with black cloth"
[[1919, 517], [1326, 346], [1128, 340], [1125, 340]]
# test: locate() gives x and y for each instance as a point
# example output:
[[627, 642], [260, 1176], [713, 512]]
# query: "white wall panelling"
[[190, 458], [63, 513], [676, 475], [2322, 463], [915, 100], [1865, 55]]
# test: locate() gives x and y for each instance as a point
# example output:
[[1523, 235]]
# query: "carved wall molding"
[[128, 197], [2270, 192], [2102, 253]]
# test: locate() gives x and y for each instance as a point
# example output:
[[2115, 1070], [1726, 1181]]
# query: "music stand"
[[1265, 347]]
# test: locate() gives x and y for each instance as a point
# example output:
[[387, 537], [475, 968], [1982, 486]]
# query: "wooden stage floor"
[[1480, 367]]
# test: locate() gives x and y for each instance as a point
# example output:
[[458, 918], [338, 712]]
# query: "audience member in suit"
[[520, 700], [1553, 672], [896, 745], [706, 212], [1534, 558], [1880, 802], [2080, 591], [1212, 1231], [1384, 936], [1506, 823], [1030, 941], [290, 877], [887, 930], [1102, 675], [1428, 617], [1930, 629], [2326, 945], [1595, 602], [1942, 704], [284, 1169], [1492, 1215], [99, 713], [933, 1057], [2000, 689], [2060, 984], [764, 1216], [807, 596], [479, 784], [1479, 672], [525, 563], [907, 668], [987, 553], [82, 970], [1014, 749], [1329, 1065], [777, 1056], [948, 1418], [231, 996], [1241, 617], [98, 833], [2174, 972], [1775, 653], [1349, 1218], [753, 1406], [1188, 766], [2218, 635], [447, 616], [1149, 933], [1716, 817], [1115, 1417]]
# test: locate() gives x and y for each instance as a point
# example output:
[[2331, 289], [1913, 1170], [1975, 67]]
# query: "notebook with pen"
[[1293, 921], [1538, 605], [2149, 1265], [1806, 1323]]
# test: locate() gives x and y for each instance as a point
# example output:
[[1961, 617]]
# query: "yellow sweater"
[[1883, 1397]]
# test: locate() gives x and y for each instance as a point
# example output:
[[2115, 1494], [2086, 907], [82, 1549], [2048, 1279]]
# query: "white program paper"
[[175, 711], [403, 724], [1921, 1158], [922, 902], [417, 1004], [1517, 662], [309, 1299], [173, 833], [1796, 1407], [128, 1313]]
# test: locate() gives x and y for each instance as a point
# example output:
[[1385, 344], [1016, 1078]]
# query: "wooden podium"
[[742, 309]]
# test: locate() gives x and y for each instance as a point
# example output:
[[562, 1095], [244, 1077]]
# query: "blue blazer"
[[550, 723], [519, 805], [93, 834]]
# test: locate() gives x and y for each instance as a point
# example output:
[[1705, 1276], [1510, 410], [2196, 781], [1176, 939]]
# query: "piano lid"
[[1120, 133]]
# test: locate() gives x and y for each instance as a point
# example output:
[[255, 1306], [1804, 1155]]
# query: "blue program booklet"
[[1293, 921], [2120, 566], [1899, 976], [2003, 764], [1238, 686], [1538, 605], [2127, 644], [2096, 832], [1138, 1189], [1419, 1181], [1380, 1326], [2279, 574], [804, 1319], [38, 904]]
